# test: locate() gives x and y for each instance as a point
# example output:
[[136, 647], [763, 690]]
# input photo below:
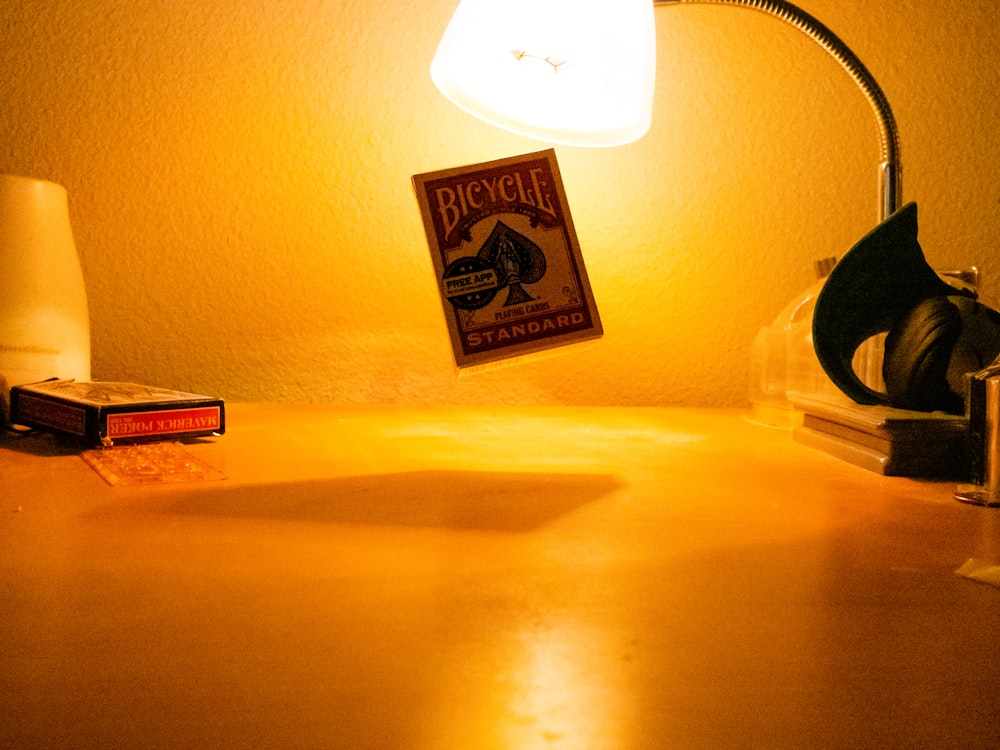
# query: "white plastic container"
[[44, 319]]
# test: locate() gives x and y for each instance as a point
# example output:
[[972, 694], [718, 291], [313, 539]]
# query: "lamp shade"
[[577, 72]]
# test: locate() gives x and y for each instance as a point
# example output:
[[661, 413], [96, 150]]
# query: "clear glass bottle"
[[783, 361]]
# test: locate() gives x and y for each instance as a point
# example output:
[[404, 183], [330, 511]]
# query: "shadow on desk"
[[469, 500], [40, 443], [37, 443]]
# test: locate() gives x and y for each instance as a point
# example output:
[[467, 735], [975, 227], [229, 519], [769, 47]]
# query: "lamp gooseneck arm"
[[890, 178]]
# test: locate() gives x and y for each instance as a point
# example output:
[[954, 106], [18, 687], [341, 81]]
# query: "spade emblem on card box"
[[507, 259], [517, 259]]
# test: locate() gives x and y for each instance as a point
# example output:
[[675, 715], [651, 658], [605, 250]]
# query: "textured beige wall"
[[238, 173]]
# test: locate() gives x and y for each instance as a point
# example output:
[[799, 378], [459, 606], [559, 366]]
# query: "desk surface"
[[493, 578]]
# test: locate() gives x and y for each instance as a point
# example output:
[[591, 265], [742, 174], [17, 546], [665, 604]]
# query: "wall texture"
[[238, 173]]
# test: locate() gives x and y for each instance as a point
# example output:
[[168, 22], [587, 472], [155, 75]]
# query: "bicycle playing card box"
[[506, 259]]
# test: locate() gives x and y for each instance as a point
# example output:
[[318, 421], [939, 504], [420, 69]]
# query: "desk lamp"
[[581, 72]]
